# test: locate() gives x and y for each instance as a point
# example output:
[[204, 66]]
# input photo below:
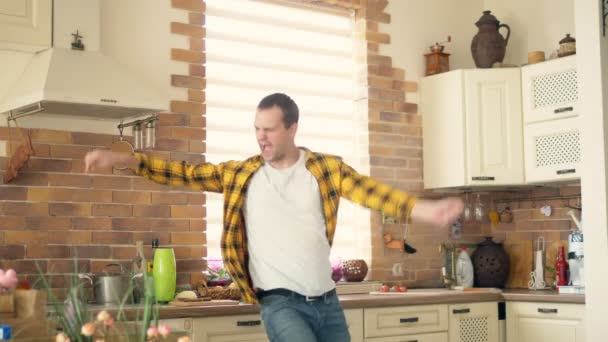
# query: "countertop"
[[355, 301]]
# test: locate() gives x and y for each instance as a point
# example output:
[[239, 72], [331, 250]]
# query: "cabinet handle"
[[545, 310], [248, 323], [563, 109], [410, 341], [408, 320], [483, 178], [461, 311], [565, 171]]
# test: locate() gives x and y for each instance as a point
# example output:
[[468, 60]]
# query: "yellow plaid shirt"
[[336, 179]]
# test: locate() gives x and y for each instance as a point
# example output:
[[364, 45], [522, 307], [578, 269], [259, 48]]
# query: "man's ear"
[[293, 129]]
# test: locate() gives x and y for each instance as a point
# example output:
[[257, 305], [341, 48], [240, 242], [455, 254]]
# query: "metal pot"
[[112, 287]]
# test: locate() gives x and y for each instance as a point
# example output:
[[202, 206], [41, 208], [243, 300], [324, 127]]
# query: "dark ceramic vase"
[[490, 264], [488, 45]]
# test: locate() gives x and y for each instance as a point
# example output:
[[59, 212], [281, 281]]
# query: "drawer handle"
[[483, 178], [565, 171], [461, 311], [410, 341], [545, 310], [248, 323], [408, 320], [563, 109]]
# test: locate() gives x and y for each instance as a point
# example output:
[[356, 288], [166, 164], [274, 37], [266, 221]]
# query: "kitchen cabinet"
[[473, 322], [552, 144], [406, 322], [472, 128], [250, 328], [180, 325], [25, 25], [532, 322], [432, 337]]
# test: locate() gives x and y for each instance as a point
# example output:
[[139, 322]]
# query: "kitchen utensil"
[[467, 212], [21, 154], [535, 283], [121, 146], [567, 46], [537, 280], [150, 134], [478, 209], [491, 264], [138, 136], [112, 287], [406, 246], [354, 270]]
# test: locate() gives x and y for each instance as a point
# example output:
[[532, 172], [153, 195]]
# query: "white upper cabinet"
[[472, 128], [551, 116], [25, 25], [550, 90]]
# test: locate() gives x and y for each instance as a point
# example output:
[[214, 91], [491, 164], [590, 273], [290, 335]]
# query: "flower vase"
[[164, 273]]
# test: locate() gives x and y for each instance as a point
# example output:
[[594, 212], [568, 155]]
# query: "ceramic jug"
[[488, 45]]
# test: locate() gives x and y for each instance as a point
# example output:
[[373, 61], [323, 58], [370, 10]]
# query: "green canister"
[[164, 273]]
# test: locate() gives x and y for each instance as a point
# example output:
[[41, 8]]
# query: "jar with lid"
[[567, 46]]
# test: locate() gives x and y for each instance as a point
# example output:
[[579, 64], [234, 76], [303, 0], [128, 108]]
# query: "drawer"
[[432, 337], [405, 320], [229, 328]]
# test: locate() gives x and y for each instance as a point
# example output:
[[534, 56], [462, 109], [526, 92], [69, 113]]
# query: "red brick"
[[111, 182], [405, 107], [25, 266], [112, 210], [163, 238], [12, 252], [196, 199], [197, 238], [169, 198], [192, 5], [123, 253], [181, 252], [188, 56], [71, 238], [50, 136], [47, 251], [133, 197], [172, 145], [190, 158], [190, 265], [48, 223], [188, 211], [197, 70], [91, 139], [12, 222], [198, 225], [152, 211], [91, 223], [96, 196], [111, 238], [98, 266], [25, 237], [197, 120], [69, 151], [23, 209], [69, 209], [49, 165], [188, 107], [29, 179], [69, 180], [196, 31], [196, 146], [190, 133], [196, 18], [197, 45], [196, 95], [172, 119], [12, 193], [192, 82], [91, 252], [69, 266]]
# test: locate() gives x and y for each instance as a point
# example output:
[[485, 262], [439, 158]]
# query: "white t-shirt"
[[286, 233]]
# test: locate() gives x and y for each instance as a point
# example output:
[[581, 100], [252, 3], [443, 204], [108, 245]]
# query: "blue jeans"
[[293, 318]]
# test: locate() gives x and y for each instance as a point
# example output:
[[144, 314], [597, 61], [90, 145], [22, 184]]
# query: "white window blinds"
[[255, 48]]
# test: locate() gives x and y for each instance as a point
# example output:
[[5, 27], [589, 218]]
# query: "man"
[[280, 213]]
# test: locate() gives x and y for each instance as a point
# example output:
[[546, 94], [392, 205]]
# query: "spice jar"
[[567, 46]]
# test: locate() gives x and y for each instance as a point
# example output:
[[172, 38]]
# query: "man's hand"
[[105, 159], [440, 213]]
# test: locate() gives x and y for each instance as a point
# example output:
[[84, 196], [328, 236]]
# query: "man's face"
[[272, 136]]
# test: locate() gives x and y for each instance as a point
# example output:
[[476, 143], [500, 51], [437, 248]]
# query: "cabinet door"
[[474, 322], [432, 337], [494, 127], [354, 321], [533, 322], [405, 320], [229, 329], [25, 25], [550, 90], [553, 150], [443, 127], [180, 326]]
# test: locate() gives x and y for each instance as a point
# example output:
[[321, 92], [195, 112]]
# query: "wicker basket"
[[354, 270], [225, 292]]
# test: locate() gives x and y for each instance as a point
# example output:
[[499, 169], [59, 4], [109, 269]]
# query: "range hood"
[[72, 82]]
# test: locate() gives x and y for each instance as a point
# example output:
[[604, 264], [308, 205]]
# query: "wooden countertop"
[[355, 301]]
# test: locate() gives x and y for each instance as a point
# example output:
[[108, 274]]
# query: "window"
[[255, 48]]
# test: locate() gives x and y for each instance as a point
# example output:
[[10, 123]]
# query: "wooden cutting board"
[[202, 302], [521, 260]]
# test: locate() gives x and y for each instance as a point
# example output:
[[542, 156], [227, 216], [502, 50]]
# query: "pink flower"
[[184, 339], [109, 322], [152, 332], [62, 337], [163, 330], [88, 329], [103, 316]]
